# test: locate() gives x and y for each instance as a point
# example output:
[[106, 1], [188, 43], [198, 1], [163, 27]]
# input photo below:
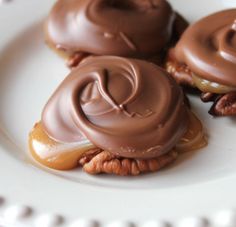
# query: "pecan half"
[[105, 162], [88, 156], [180, 72], [224, 105]]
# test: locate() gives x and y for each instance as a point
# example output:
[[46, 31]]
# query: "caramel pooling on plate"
[[194, 138], [54, 154]]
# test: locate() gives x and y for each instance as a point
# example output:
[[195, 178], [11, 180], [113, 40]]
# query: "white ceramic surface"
[[197, 190]]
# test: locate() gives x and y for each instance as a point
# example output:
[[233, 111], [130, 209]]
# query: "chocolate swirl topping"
[[130, 108], [130, 28], [208, 47]]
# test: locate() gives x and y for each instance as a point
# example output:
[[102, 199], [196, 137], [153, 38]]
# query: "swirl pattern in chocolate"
[[130, 108], [130, 28], [208, 48]]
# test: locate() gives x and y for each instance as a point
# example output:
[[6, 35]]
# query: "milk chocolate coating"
[[208, 47], [128, 28], [130, 108]]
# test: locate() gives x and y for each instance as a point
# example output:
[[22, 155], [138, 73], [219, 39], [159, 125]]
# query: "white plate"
[[199, 185]]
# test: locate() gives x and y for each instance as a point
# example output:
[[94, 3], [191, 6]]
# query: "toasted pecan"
[[105, 162], [224, 105], [180, 72]]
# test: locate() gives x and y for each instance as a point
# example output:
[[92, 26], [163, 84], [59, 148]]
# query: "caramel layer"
[[53, 154], [194, 138], [65, 156], [213, 87]]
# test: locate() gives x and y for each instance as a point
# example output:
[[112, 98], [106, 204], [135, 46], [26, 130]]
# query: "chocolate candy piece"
[[130, 108], [208, 48], [130, 28]]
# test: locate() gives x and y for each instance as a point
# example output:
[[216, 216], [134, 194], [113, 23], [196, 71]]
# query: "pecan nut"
[[224, 105], [180, 72], [105, 162]]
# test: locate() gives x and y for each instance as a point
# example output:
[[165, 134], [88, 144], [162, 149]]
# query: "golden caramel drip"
[[62, 156], [194, 138], [213, 87], [54, 154]]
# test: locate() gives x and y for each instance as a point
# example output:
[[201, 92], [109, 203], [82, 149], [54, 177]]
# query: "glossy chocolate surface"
[[65, 156], [208, 48], [131, 108], [130, 28]]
